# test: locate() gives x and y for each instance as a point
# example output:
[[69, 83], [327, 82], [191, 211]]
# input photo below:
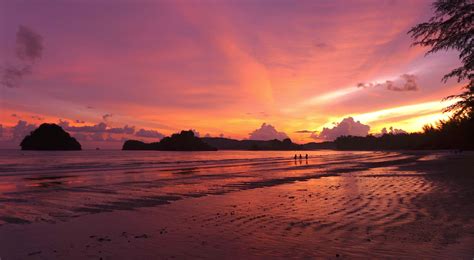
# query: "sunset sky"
[[114, 70]]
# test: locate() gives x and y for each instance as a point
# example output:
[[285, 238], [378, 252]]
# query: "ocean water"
[[55, 185], [17, 162], [196, 204]]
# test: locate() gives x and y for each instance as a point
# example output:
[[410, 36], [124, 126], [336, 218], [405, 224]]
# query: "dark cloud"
[[12, 76], [406, 82], [149, 133], [96, 137], [106, 117], [348, 126], [29, 48], [321, 45], [29, 44], [410, 84], [38, 118], [304, 132], [122, 130], [97, 128], [267, 132]]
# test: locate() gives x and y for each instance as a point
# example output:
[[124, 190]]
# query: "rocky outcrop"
[[49, 137]]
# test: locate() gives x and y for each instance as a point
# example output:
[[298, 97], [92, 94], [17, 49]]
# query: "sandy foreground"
[[385, 205]]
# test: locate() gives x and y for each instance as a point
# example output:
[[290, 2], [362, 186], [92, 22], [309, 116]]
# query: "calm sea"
[[50, 186]]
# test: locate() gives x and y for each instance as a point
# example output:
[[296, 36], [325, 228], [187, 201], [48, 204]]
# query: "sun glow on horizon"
[[410, 118], [213, 67]]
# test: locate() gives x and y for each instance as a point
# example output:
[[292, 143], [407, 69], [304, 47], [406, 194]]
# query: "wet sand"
[[349, 205]]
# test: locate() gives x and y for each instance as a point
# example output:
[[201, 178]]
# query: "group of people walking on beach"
[[301, 157]]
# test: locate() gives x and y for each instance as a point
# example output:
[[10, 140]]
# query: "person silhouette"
[[306, 156], [295, 156], [301, 157]]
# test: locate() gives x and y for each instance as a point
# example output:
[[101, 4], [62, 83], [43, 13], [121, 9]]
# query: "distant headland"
[[260, 145], [429, 140], [184, 141], [49, 137], [53, 137]]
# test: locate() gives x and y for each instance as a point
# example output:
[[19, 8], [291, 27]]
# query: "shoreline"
[[418, 203]]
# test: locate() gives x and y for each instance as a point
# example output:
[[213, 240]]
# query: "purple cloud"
[[267, 132], [305, 132], [21, 129], [97, 128], [106, 117], [29, 48], [38, 118], [122, 130], [348, 126], [406, 82], [149, 133], [29, 44]]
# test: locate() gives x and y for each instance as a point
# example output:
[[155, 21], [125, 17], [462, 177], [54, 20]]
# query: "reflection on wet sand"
[[339, 204]]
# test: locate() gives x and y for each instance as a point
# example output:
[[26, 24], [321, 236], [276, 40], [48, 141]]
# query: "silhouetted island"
[[455, 133], [284, 145], [184, 141], [49, 137]]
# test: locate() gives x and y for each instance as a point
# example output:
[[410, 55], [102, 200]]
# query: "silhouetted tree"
[[452, 27]]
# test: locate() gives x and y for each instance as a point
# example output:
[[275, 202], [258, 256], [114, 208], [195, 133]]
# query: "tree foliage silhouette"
[[451, 27]]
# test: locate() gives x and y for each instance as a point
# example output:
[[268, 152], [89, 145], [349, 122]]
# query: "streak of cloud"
[[406, 82], [304, 132]]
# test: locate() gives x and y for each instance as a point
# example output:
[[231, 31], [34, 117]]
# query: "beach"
[[236, 204]]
